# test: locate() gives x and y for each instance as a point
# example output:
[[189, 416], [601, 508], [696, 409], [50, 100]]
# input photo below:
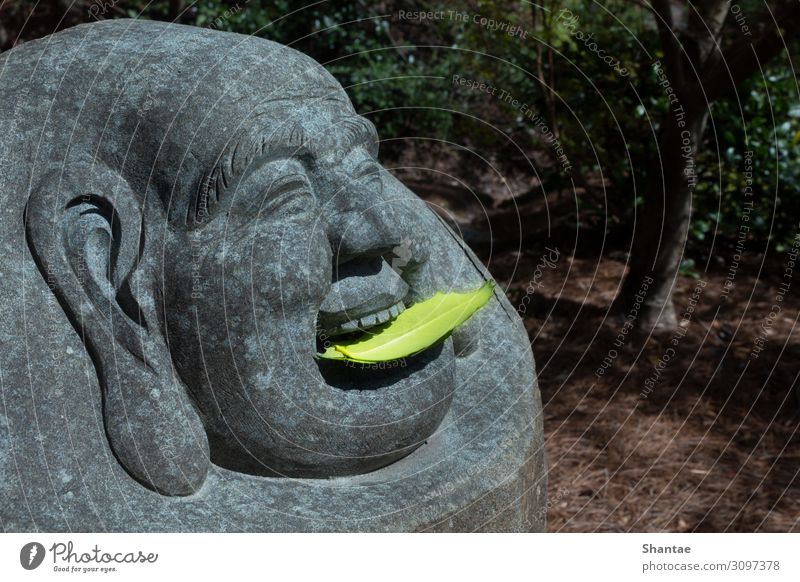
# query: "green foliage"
[[768, 126]]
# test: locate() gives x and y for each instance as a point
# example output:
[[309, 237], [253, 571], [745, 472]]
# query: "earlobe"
[[87, 246]]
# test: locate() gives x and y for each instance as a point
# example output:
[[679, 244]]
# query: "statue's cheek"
[[290, 261]]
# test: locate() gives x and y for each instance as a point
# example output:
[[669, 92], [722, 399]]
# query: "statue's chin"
[[383, 414]]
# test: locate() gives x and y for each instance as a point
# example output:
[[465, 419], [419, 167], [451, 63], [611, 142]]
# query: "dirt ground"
[[669, 431]]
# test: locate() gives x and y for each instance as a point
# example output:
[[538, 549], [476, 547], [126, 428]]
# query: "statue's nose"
[[363, 234], [365, 225]]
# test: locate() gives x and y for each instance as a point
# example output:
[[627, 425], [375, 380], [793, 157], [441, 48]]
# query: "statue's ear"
[[89, 242]]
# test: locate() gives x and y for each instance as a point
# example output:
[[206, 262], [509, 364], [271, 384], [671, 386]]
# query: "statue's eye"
[[290, 183], [274, 186], [368, 173]]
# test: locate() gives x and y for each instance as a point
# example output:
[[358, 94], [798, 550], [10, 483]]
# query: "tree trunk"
[[688, 35], [662, 224]]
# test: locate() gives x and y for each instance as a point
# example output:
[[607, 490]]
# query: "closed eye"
[[289, 183]]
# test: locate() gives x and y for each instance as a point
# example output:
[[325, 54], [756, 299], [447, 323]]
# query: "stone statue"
[[188, 216]]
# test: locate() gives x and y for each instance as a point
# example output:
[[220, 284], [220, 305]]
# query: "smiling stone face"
[[292, 243], [207, 212]]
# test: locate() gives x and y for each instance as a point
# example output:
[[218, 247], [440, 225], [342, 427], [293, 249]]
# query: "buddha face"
[[289, 242]]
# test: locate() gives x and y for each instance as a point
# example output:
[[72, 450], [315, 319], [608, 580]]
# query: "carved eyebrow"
[[359, 131], [290, 140]]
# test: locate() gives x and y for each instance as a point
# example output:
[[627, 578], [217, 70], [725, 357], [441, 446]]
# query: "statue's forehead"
[[331, 101], [285, 73], [253, 73]]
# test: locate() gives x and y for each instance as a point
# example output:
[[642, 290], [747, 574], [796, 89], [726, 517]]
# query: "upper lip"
[[363, 294]]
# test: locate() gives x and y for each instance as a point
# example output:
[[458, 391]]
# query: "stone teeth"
[[369, 320], [349, 326]]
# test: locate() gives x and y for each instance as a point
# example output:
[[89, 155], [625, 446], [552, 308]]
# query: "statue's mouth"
[[366, 295], [363, 294]]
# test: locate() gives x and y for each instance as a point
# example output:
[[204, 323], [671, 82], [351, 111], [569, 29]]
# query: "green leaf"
[[417, 328]]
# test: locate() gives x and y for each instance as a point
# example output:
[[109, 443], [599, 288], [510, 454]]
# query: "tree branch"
[[704, 28], [744, 58]]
